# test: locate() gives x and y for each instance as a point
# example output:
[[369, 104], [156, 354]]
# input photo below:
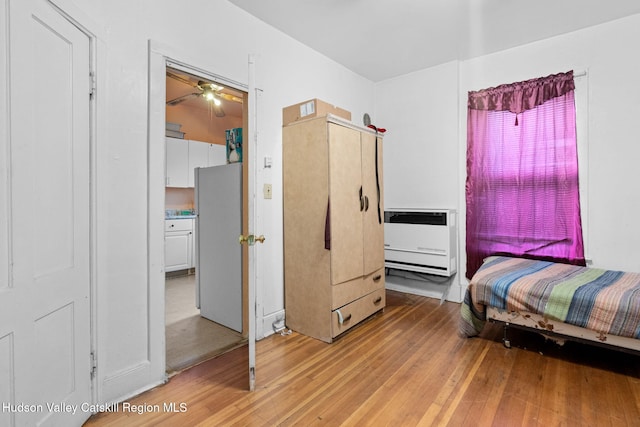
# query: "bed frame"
[[558, 331]]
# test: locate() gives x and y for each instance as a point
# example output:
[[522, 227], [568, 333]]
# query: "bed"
[[560, 301]]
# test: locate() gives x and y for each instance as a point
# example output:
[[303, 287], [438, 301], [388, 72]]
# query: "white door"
[[44, 219], [219, 254]]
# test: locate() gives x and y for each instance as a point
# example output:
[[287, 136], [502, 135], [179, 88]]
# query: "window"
[[522, 172]]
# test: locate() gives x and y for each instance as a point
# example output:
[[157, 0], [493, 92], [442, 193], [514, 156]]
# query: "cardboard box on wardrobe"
[[310, 109]]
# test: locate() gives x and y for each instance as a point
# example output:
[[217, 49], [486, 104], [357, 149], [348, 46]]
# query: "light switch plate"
[[267, 191]]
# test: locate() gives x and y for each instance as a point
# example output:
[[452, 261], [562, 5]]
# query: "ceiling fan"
[[209, 91]]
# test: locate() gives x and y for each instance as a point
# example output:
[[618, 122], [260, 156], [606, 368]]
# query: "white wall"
[[219, 37], [424, 147], [420, 112], [606, 53], [610, 144]]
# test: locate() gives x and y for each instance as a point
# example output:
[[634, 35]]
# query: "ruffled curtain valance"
[[522, 96]]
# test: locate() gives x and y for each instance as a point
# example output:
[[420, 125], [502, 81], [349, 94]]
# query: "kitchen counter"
[[180, 216]]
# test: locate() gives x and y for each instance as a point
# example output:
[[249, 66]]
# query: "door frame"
[[160, 57]]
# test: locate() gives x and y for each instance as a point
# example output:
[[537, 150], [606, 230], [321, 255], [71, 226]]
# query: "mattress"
[[604, 301]]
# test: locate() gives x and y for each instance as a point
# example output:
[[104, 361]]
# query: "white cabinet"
[[183, 156], [198, 158], [178, 244], [217, 155], [177, 160]]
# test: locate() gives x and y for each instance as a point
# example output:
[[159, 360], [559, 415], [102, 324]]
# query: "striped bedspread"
[[605, 301]]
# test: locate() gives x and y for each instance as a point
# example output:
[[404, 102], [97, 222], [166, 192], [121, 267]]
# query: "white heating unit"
[[421, 240]]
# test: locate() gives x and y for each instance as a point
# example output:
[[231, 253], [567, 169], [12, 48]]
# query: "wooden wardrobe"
[[333, 225]]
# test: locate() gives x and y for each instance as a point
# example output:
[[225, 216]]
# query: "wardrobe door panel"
[[345, 188], [373, 223]]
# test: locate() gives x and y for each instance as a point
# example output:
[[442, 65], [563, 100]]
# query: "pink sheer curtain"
[[522, 172]]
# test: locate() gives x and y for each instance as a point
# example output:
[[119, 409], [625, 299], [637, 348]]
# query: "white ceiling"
[[380, 39]]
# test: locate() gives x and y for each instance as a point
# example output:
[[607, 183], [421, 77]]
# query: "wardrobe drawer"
[[374, 280], [351, 314], [351, 290]]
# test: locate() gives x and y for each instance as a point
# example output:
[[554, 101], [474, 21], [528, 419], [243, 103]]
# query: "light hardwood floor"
[[404, 367], [190, 338]]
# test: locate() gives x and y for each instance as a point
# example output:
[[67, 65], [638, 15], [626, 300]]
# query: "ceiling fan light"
[[216, 101], [208, 95]]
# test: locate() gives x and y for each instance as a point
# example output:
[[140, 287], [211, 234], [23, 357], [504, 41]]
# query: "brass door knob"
[[248, 239], [251, 239]]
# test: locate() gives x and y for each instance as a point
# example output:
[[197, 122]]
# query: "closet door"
[[46, 230], [373, 223], [345, 188]]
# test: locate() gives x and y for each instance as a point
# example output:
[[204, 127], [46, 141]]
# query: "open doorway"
[[204, 118]]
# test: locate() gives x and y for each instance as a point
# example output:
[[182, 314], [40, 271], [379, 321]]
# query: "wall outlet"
[[267, 191]]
